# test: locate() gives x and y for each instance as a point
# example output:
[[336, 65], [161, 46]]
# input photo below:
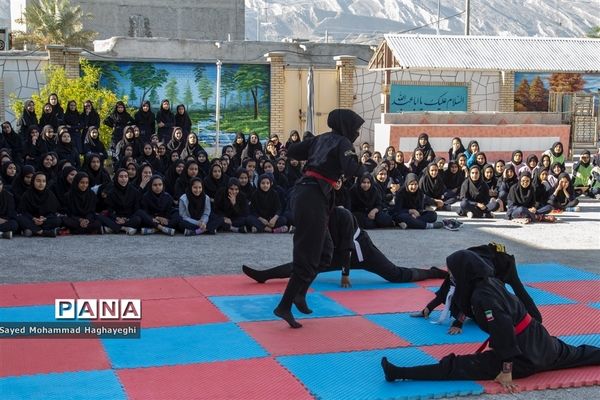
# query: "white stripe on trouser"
[[359, 253], [445, 314]]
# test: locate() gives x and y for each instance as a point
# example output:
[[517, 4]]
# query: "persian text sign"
[[428, 98]]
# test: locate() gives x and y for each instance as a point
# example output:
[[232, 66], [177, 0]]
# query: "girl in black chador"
[[165, 121], [157, 212], [38, 209], [8, 213], [48, 117], [232, 206], [89, 117], [191, 148], [182, 183], [410, 207], [328, 157], [215, 180], [144, 119], [13, 141], [352, 249], [182, 120], [475, 194], [123, 200], [118, 120], [65, 148], [28, 118], [72, 121], [266, 208], [94, 167], [519, 345], [367, 204], [81, 207], [424, 145], [177, 142], [93, 144], [432, 185]]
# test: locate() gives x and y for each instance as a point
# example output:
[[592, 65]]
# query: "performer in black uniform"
[[505, 269], [519, 345], [352, 249], [328, 157]]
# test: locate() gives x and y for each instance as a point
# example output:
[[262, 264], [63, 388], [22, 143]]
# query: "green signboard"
[[428, 98]]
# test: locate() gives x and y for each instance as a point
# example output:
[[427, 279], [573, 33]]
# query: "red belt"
[[319, 176], [524, 323]]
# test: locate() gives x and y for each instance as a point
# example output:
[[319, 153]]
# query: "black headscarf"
[[62, 186], [145, 119], [38, 203], [99, 177], [8, 180], [432, 187], [159, 204], [265, 204], [477, 191], [345, 122], [212, 185], [239, 147], [493, 182], [562, 169], [552, 149], [92, 145], [407, 200], [7, 204], [27, 119], [172, 176], [467, 269], [203, 167], [196, 204], [80, 204], [183, 120], [123, 200], [453, 181], [19, 187], [183, 181], [365, 201], [496, 174], [520, 196], [428, 153]]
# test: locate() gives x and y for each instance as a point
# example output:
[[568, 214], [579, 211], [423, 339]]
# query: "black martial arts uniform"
[[517, 342], [352, 249], [328, 157]]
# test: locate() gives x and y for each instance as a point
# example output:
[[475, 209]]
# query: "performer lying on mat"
[[505, 269], [519, 345], [353, 249]]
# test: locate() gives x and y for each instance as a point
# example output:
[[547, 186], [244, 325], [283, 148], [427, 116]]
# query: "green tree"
[[188, 98], [109, 72], [153, 97], [132, 95], [171, 91], [594, 32], [199, 70], [80, 89], [522, 96], [146, 77], [538, 95], [54, 22], [205, 89], [228, 83], [253, 78]]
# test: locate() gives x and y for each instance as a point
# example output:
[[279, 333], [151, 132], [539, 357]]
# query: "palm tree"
[[594, 32], [55, 22]]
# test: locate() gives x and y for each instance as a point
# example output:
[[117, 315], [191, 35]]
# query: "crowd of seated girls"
[[166, 183]]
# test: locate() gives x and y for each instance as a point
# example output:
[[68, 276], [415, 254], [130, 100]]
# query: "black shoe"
[[254, 274], [49, 233], [385, 364]]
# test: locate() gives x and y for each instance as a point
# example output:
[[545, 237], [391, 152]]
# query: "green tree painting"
[[172, 92], [146, 77], [252, 78], [188, 98]]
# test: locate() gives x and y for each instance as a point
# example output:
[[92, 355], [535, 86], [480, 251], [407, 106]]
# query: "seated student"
[[342, 195], [123, 201], [377, 157], [409, 208], [22, 182], [48, 167], [453, 179], [556, 153], [48, 139], [143, 178], [517, 160], [32, 148], [441, 163], [352, 249], [390, 153], [80, 207], [462, 165], [177, 142], [148, 157], [294, 171], [232, 205], [475, 194], [266, 208], [456, 149], [582, 175], [509, 178], [402, 168], [471, 153], [383, 183], [66, 149], [62, 187], [9, 173], [425, 147], [531, 165], [521, 203], [480, 160], [367, 161], [172, 174], [519, 345], [242, 175], [505, 269], [432, 185], [191, 170], [563, 197], [215, 180], [280, 174], [489, 177], [499, 169], [394, 174], [545, 162], [367, 204], [93, 167], [157, 212], [418, 163], [542, 188], [195, 211], [8, 213], [38, 209]]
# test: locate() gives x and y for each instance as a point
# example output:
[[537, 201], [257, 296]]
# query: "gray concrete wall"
[[190, 19]]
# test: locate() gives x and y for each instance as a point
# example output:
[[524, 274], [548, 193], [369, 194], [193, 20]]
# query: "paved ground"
[[575, 241]]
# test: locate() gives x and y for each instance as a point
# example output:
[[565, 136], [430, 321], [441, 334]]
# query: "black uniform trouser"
[[376, 262], [111, 222], [215, 221], [72, 223], [147, 220], [11, 225], [51, 222], [541, 352]]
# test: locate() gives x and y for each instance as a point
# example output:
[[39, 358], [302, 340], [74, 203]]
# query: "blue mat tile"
[[358, 375], [183, 345], [422, 332], [553, 273], [543, 298], [260, 307], [595, 305], [576, 340], [88, 385], [28, 314], [361, 280]]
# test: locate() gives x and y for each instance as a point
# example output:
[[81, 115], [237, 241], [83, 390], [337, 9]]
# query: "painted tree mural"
[[252, 79], [562, 82], [146, 77]]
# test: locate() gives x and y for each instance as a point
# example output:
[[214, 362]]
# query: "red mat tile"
[[32, 294], [178, 312], [581, 291], [564, 378], [383, 301], [442, 350], [253, 379], [430, 283], [570, 319], [42, 356], [234, 285], [145, 289], [322, 335]]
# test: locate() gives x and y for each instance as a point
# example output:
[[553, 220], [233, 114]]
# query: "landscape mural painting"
[[244, 93], [532, 89]]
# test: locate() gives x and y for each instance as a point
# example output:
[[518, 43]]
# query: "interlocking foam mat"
[[216, 338]]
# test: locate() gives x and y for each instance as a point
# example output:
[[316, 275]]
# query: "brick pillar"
[[277, 91], [345, 67], [507, 91], [67, 58]]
